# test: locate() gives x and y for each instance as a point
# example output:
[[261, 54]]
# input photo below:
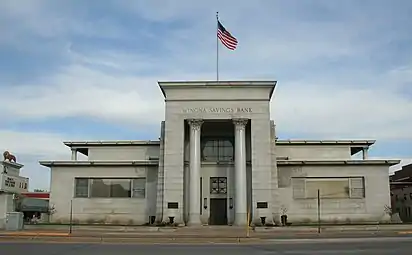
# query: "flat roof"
[[111, 143], [327, 142], [217, 84], [355, 145], [156, 142], [100, 163], [339, 162], [156, 162], [82, 146]]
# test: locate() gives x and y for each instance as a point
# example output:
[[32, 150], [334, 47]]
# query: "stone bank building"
[[218, 162]]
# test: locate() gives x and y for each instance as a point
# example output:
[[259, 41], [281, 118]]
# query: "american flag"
[[225, 37]]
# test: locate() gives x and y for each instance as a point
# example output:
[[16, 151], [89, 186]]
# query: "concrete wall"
[[6, 205], [313, 152], [104, 210], [136, 152], [10, 170], [21, 184], [370, 208]]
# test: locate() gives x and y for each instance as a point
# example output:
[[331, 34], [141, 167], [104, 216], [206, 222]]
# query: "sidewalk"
[[201, 232]]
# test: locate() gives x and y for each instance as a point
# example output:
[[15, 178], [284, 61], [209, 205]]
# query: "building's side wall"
[[261, 156], [160, 176], [313, 152], [173, 168], [101, 210], [6, 206], [371, 208], [10, 170], [135, 152], [274, 179]]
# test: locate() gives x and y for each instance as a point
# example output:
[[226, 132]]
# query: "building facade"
[[401, 193], [218, 161], [11, 183]]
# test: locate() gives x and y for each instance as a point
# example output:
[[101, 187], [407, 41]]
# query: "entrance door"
[[218, 211]]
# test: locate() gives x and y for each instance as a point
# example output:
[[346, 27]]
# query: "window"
[[110, 188], [10, 182], [173, 205], [81, 187], [217, 150], [341, 187], [218, 185], [139, 187], [262, 205]]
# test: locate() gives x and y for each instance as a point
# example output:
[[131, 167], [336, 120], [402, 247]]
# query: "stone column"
[[365, 153], [74, 154], [240, 172], [194, 172]]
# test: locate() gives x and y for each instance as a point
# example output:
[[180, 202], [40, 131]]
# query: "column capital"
[[195, 124], [240, 123]]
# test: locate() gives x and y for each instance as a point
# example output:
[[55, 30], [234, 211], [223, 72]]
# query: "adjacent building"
[[401, 193], [11, 183], [218, 161]]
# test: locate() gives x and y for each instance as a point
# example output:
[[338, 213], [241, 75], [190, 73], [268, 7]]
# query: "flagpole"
[[217, 47]]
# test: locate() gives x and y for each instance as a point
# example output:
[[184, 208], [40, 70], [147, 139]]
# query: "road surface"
[[355, 246]]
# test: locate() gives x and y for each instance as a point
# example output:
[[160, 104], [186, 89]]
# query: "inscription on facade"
[[218, 110]]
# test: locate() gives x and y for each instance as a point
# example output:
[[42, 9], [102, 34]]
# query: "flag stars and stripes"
[[227, 39]]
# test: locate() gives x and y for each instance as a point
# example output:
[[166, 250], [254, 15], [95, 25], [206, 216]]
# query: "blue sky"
[[78, 69]]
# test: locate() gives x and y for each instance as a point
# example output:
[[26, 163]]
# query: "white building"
[[217, 162], [11, 183]]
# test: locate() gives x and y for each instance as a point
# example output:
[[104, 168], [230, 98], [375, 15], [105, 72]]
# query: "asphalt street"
[[364, 246]]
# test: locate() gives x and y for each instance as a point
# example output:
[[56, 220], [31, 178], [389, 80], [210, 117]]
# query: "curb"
[[133, 240]]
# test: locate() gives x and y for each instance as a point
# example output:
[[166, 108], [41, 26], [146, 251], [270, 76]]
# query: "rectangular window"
[[110, 188], [338, 187], [217, 150], [10, 182], [120, 188], [139, 187], [173, 205], [262, 205], [81, 187], [218, 185]]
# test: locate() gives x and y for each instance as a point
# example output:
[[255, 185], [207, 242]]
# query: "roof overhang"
[[355, 145], [73, 144], [400, 183], [83, 146], [164, 85], [12, 164], [338, 162], [70, 163]]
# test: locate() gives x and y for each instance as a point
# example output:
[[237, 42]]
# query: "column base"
[[240, 219], [194, 220]]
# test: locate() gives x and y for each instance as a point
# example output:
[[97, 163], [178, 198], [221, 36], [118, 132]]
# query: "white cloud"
[[374, 111], [43, 145]]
